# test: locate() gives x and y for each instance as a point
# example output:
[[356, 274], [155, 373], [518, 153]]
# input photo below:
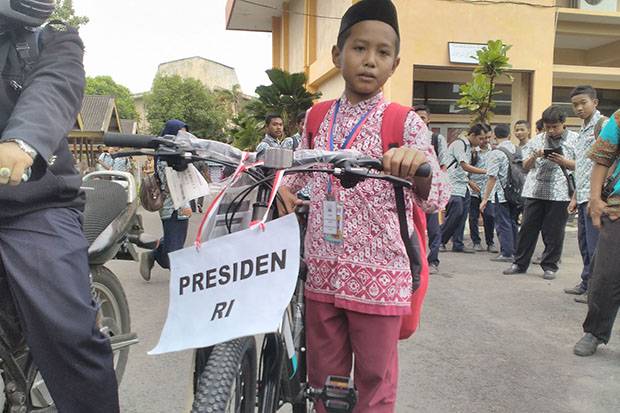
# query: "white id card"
[[333, 221]]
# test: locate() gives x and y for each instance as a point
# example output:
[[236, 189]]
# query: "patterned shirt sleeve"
[[605, 150], [459, 151], [261, 147], [287, 143], [416, 136], [494, 162]]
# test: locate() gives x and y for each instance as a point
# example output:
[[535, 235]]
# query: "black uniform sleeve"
[[52, 93]]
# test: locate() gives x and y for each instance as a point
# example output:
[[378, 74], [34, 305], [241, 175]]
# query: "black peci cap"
[[381, 10]]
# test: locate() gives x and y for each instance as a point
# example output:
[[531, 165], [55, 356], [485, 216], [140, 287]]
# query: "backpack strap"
[[28, 47], [393, 126], [455, 161], [315, 118]]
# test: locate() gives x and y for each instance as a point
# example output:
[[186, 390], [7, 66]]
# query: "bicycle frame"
[[350, 167]]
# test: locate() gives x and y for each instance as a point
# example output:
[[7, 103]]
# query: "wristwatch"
[[24, 147]]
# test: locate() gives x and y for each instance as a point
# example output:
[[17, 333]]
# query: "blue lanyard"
[[349, 139]]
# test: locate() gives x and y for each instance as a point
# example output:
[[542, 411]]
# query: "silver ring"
[[5, 172]]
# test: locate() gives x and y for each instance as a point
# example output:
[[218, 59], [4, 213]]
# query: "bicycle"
[[225, 377]]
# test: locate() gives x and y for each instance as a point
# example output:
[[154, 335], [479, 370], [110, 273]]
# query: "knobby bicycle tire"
[[230, 364]]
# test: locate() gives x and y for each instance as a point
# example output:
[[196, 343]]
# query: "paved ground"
[[488, 343]]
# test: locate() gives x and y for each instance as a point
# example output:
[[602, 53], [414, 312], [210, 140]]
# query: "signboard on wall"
[[464, 52]]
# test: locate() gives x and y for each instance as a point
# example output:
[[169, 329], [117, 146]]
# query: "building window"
[[441, 98], [608, 100]]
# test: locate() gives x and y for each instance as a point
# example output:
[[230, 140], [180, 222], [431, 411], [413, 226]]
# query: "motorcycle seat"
[[105, 201]]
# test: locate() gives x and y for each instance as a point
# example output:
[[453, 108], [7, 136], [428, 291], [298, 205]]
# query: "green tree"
[[105, 85], [234, 98], [246, 132], [477, 95], [66, 13], [173, 97], [287, 96]]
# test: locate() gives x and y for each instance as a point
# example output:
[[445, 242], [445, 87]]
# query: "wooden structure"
[[98, 116]]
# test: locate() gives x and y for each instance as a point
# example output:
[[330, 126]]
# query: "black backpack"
[[515, 179], [435, 142]]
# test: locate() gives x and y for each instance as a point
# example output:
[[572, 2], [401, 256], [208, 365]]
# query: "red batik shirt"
[[369, 272]]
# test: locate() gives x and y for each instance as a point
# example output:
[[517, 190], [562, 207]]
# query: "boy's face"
[[554, 130], [300, 125], [275, 128], [486, 140], [583, 105], [367, 59], [521, 132], [475, 140], [424, 116]]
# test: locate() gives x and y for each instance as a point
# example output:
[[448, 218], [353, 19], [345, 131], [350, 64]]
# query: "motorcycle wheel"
[[228, 381], [113, 314]]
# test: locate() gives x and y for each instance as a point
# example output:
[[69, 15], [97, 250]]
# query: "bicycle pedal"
[[339, 394]]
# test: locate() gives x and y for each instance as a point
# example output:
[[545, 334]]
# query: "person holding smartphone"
[[548, 158]]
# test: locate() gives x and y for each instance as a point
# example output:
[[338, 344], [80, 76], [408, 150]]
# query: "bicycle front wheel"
[[271, 375], [228, 381]]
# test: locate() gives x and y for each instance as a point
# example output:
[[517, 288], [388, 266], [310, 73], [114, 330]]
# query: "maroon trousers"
[[335, 335]]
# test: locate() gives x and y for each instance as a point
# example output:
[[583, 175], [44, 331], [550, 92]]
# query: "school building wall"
[[555, 45]]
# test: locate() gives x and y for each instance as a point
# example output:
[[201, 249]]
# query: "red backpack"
[[392, 131]]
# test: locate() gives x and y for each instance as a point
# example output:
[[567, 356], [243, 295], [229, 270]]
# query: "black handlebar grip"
[[131, 141], [424, 171]]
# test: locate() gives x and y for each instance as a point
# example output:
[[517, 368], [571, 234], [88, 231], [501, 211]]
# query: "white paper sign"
[[464, 52], [234, 286], [185, 186]]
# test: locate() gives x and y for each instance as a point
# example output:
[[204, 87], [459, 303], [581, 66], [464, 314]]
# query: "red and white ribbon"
[[277, 183], [215, 204]]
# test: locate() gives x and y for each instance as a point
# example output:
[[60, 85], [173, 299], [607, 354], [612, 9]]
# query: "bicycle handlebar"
[[134, 141], [187, 147]]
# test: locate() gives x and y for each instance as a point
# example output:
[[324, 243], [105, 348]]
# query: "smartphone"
[[549, 151]]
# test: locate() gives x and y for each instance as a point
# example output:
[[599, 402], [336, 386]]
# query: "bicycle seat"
[[105, 201]]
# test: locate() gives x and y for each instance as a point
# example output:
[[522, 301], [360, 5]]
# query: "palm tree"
[[287, 96]]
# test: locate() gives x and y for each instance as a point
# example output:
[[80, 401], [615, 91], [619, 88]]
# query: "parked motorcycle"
[[113, 228]]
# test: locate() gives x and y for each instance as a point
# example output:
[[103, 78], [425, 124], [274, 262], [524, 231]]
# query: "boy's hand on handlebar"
[[403, 162], [13, 163], [290, 201]]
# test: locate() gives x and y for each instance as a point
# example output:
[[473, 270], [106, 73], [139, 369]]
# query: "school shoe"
[[538, 260], [464, 250], [478, 248], [587, 345], [147, 261], [514, 269], [583, 299], [502, 258], [492, 249], [549, 275], [576, 290]]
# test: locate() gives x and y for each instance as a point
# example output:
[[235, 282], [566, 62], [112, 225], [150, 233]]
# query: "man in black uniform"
[[43, 252]]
